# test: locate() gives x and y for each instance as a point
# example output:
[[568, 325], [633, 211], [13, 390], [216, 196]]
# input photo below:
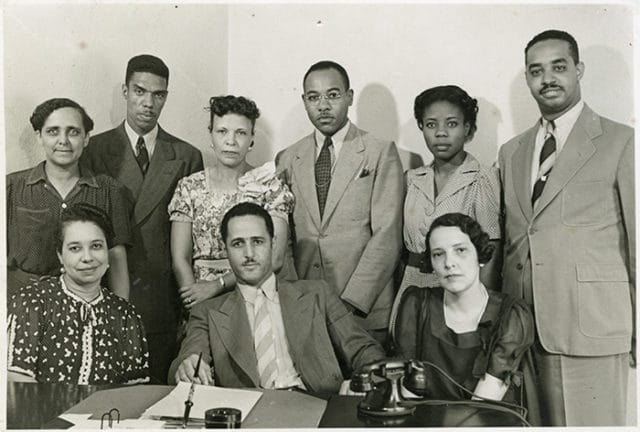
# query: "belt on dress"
[[418, 260]]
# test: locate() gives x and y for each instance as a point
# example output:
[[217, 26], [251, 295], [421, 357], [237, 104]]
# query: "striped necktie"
[[143, 155], [547, 159], [263, 340], [323, 174]]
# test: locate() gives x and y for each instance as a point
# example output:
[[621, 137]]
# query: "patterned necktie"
[[143, 155], [323, 174], [547, 159], [264, 342]]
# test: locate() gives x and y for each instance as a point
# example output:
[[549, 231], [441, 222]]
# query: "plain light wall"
[[394, 51], [80, 51]]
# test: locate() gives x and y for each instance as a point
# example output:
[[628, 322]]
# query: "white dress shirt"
[[564, 125], [287, 375], [149, 139]]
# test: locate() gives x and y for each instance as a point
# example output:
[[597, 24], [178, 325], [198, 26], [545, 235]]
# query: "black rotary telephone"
[[382, 381]]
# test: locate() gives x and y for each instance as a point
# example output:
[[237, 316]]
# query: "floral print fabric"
[[195, 202]]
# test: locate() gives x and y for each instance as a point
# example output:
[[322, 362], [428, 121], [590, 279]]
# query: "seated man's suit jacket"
[[356, 245], [317, 325], [576, 249], [153, 289]]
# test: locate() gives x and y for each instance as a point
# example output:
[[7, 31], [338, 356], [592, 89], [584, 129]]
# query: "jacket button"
[[519, 266]]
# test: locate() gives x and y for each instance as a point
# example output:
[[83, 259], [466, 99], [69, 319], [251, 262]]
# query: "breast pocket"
[[588, 203]]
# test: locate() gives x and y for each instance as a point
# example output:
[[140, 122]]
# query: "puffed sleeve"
[[181, 206], [263, 186], [487, 202], [136, 364], [412, 312], [514, 337], [23, 331]]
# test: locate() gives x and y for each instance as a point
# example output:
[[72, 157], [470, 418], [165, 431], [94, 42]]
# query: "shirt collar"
[[38, 174], [565, 122], [249, 292], [149, 138], [337, 138]]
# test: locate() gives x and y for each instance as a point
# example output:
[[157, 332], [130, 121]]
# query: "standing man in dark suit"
[[570, 241], [149, 162], [349, 192], [269, 333]]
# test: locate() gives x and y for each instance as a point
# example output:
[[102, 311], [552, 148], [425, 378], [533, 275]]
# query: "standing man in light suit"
[[348, 185], [149, 162], [570, 241]]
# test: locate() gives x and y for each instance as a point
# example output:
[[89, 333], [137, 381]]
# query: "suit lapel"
[[574, 154], [232, 325], [304, 178], [521, 170], [297, 316], [122, 164], [349, 162], [163, 168]]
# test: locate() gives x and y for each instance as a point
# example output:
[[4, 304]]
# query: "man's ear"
[[580, 70], [125, 91]]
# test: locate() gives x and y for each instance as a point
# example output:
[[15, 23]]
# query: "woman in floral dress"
[[201, 200]]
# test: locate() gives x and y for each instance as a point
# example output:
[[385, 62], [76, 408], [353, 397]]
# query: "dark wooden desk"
[[342, 411], [32, 406]]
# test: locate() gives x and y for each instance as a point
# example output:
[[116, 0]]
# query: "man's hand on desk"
[[186, 371]]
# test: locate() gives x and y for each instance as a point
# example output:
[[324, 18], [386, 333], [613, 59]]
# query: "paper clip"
[[109, 417]]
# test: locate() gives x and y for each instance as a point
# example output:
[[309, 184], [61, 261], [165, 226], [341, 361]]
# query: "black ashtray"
[[222, 418]]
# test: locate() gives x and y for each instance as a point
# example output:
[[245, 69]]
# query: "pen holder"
[[222, 418]]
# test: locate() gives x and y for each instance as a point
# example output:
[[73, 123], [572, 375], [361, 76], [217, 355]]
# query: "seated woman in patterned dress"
[[68, 328], [201, 200], [477, 336]]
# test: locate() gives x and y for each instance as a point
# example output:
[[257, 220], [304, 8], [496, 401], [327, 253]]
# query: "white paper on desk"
[[204, 398], [83, 421]]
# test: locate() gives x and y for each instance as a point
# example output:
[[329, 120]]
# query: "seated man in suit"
[[267, 333]]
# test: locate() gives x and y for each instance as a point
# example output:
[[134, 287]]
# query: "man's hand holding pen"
[[187, 371]]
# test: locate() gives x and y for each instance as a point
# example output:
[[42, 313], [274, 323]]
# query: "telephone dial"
[[382, 381]]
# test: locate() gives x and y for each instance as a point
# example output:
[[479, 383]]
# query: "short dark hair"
[[44, 110], [221, 105], [452, 94], [328, 64], [83, 212], [146, 63], [245, 209], [470, 227], [559, 35]]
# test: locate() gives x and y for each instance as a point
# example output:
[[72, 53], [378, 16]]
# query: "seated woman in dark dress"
[[477, 336], [68, 328]]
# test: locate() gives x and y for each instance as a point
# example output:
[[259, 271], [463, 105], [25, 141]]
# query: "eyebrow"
[[149, 91], [556, 61]]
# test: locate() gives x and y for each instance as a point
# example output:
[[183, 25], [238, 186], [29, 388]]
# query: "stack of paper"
[[204, 398]]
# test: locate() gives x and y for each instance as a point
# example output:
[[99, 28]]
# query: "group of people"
[[294, 274]]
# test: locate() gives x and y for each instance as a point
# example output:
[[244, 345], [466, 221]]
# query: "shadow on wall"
[[524, 111], [118, 111], [484, 145], [32, 151], [377, 112], [263, 150]]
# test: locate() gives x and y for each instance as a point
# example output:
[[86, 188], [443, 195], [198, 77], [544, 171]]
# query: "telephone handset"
[[383, 395]]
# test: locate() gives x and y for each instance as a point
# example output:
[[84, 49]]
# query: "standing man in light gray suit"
[[149, 162], [570, 242], [348, 185]]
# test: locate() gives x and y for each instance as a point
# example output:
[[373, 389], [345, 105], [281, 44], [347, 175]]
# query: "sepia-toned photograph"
[[314, 214]]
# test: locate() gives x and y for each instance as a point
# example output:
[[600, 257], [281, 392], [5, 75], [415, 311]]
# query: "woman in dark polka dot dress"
[[70, 329]]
